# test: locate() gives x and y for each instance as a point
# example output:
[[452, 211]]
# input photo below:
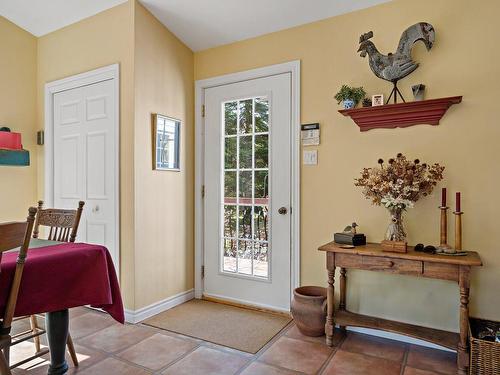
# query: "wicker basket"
[[484, 355]]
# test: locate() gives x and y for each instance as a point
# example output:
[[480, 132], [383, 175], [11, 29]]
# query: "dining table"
[[58, 276]]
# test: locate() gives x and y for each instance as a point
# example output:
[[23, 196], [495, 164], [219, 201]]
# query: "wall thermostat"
[[310, 134]]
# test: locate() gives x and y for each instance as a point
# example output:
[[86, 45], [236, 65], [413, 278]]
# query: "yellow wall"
[[101, 40], [464, 61], [156, 76], [17, 111], [163, 199]]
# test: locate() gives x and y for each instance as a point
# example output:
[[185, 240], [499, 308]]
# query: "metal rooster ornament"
[[394, 66]]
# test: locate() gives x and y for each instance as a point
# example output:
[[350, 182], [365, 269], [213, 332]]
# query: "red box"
[[10, 141]]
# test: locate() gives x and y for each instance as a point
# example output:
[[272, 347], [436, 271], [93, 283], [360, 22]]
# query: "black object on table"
[[355, 239]]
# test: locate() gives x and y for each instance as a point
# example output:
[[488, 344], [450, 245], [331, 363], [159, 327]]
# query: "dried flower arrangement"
[[397, 185]]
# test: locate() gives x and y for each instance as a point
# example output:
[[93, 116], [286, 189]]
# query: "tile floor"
[[106, 348]]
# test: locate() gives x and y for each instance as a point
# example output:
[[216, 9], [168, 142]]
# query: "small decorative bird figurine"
[[351, 228], [394, 66]]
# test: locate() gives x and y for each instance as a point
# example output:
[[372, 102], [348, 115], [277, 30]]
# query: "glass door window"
[[245, 189]]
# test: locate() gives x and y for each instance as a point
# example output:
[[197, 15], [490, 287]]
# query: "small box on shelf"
[[394, 246]]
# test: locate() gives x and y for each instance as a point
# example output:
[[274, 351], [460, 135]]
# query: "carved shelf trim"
[[401, 115]]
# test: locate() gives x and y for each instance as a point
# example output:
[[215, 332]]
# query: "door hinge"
[[202, 272], [203, 191], [203, 110]]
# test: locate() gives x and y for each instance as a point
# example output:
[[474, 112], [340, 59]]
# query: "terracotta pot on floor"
[[309, 310]]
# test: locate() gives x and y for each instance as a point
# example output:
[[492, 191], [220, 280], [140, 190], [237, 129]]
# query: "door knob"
[[96, 209], [282, 210]]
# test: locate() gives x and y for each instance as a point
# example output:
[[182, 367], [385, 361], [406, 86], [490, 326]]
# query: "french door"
[[247, 221]]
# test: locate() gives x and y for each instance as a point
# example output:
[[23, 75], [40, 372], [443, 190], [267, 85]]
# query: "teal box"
[[15, 157]]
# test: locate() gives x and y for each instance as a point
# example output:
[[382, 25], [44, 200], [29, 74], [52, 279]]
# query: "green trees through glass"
[[246, 186]]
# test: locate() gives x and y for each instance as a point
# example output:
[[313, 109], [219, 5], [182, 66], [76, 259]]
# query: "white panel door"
[[84, 159], [247, 220]]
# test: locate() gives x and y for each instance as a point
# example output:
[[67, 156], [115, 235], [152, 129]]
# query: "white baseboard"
[[397, 337], [146, 312]]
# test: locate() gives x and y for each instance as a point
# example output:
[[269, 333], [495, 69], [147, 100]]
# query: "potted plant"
[[350, 96]]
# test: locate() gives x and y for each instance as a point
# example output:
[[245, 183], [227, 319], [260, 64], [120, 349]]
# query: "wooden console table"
[[371, 257]]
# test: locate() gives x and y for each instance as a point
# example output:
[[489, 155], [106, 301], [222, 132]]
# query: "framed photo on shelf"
[[377, 100], [166, 143]]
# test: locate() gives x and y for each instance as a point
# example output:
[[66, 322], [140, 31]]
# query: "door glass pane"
[[229, 255], [245, 257], [245, 222], [244, 242], [230, 153], [230, 221], [261, 151], [261, 115], [246, 187], [246, 116], [230, 187], [230, 117], [261, 187], [260, 223], [260, 259], [245, 157]]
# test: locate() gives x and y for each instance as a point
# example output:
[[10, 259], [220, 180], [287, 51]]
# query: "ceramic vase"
[[396, 230], [418, 92], [348, 104], [309, 310]]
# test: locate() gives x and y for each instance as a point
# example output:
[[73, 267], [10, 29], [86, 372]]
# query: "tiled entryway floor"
[[107, 348]]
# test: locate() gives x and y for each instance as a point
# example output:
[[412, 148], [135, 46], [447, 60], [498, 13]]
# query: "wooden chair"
[[13, 235], [63, 226]]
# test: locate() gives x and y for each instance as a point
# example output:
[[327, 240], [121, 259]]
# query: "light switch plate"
[[310, 157]]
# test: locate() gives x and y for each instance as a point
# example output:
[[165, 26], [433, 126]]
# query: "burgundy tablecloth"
[[63, 276]]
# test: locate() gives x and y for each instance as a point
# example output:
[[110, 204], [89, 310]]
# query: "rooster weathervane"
[[395, 66]]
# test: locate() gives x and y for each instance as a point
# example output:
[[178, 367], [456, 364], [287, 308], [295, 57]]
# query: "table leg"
[[57, 324], [462, 354], [330, 322], [343, 280]]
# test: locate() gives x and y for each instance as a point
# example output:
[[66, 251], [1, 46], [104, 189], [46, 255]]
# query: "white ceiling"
[[203, 24], [200, 24], [41, 17]]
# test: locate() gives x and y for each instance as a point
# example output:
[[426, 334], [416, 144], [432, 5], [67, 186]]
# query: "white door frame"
[[68, 83], [292, 67]]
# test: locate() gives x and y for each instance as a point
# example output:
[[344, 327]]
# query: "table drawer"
[[373, 263], [441, 271]]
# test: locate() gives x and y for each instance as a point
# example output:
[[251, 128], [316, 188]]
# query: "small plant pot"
[[348, 104], [309, 310]]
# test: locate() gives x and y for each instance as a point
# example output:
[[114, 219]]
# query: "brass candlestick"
[[458, 230], [443, 243]]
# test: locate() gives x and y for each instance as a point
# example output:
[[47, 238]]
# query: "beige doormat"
[[234, 327]]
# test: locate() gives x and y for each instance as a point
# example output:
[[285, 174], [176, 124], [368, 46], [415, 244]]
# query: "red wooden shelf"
[[401, 115]]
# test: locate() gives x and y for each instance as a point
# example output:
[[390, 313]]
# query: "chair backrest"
[[13, 235], [63, 223]]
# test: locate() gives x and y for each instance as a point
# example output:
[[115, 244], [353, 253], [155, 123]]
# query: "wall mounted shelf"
[[14, 157], [401, 115]]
